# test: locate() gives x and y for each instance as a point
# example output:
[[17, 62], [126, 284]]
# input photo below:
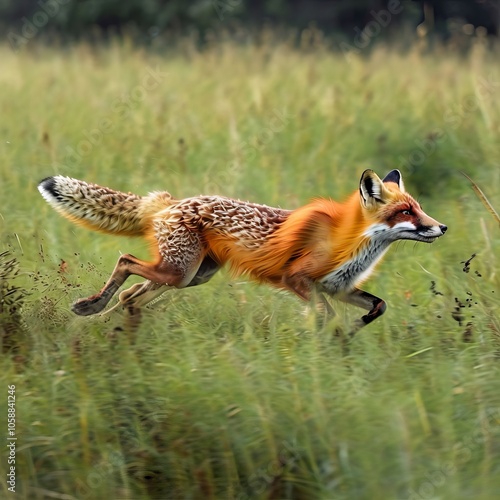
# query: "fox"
[[323, 249]]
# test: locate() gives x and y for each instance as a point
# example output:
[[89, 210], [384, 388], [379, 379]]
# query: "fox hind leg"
[[161, 273], [140, 294], [181, 253]]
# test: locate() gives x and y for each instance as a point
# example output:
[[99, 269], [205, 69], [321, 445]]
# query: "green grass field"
[[231, 390]]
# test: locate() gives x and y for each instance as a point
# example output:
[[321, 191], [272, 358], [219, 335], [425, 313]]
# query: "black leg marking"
[[374, 305]]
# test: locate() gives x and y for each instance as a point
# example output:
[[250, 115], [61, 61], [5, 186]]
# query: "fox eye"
[[406, 212]]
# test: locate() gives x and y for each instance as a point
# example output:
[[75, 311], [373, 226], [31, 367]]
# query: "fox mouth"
[[431, 234], [427, 239], [425, 236]]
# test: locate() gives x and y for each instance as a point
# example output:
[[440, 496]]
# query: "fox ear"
[[396, 177], [371, 189]]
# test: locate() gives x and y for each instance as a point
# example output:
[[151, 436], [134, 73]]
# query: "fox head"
[[392, 212]]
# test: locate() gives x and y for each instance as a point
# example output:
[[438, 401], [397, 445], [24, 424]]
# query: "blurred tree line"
[[150, 18]]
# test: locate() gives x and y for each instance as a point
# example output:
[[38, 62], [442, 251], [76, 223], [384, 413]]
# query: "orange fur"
[[313, 240], [324, 246]]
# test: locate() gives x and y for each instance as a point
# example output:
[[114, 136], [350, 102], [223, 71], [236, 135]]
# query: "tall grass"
[[230, 390]]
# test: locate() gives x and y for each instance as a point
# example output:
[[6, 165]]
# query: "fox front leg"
[[374, 305], [322, 307]]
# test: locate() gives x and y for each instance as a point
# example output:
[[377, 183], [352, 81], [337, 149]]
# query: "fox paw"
[[87, 307]]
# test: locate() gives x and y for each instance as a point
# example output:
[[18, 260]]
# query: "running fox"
[[323, 248]]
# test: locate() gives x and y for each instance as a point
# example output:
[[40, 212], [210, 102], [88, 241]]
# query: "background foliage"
[[152, 18], [232, 390]]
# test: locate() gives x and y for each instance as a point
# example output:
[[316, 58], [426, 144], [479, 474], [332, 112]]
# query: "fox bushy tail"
[[100, 208]]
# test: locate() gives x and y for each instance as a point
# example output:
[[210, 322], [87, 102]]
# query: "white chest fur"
[[356, 269]]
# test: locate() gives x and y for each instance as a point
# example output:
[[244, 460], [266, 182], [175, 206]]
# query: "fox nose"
[[443, 228]]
